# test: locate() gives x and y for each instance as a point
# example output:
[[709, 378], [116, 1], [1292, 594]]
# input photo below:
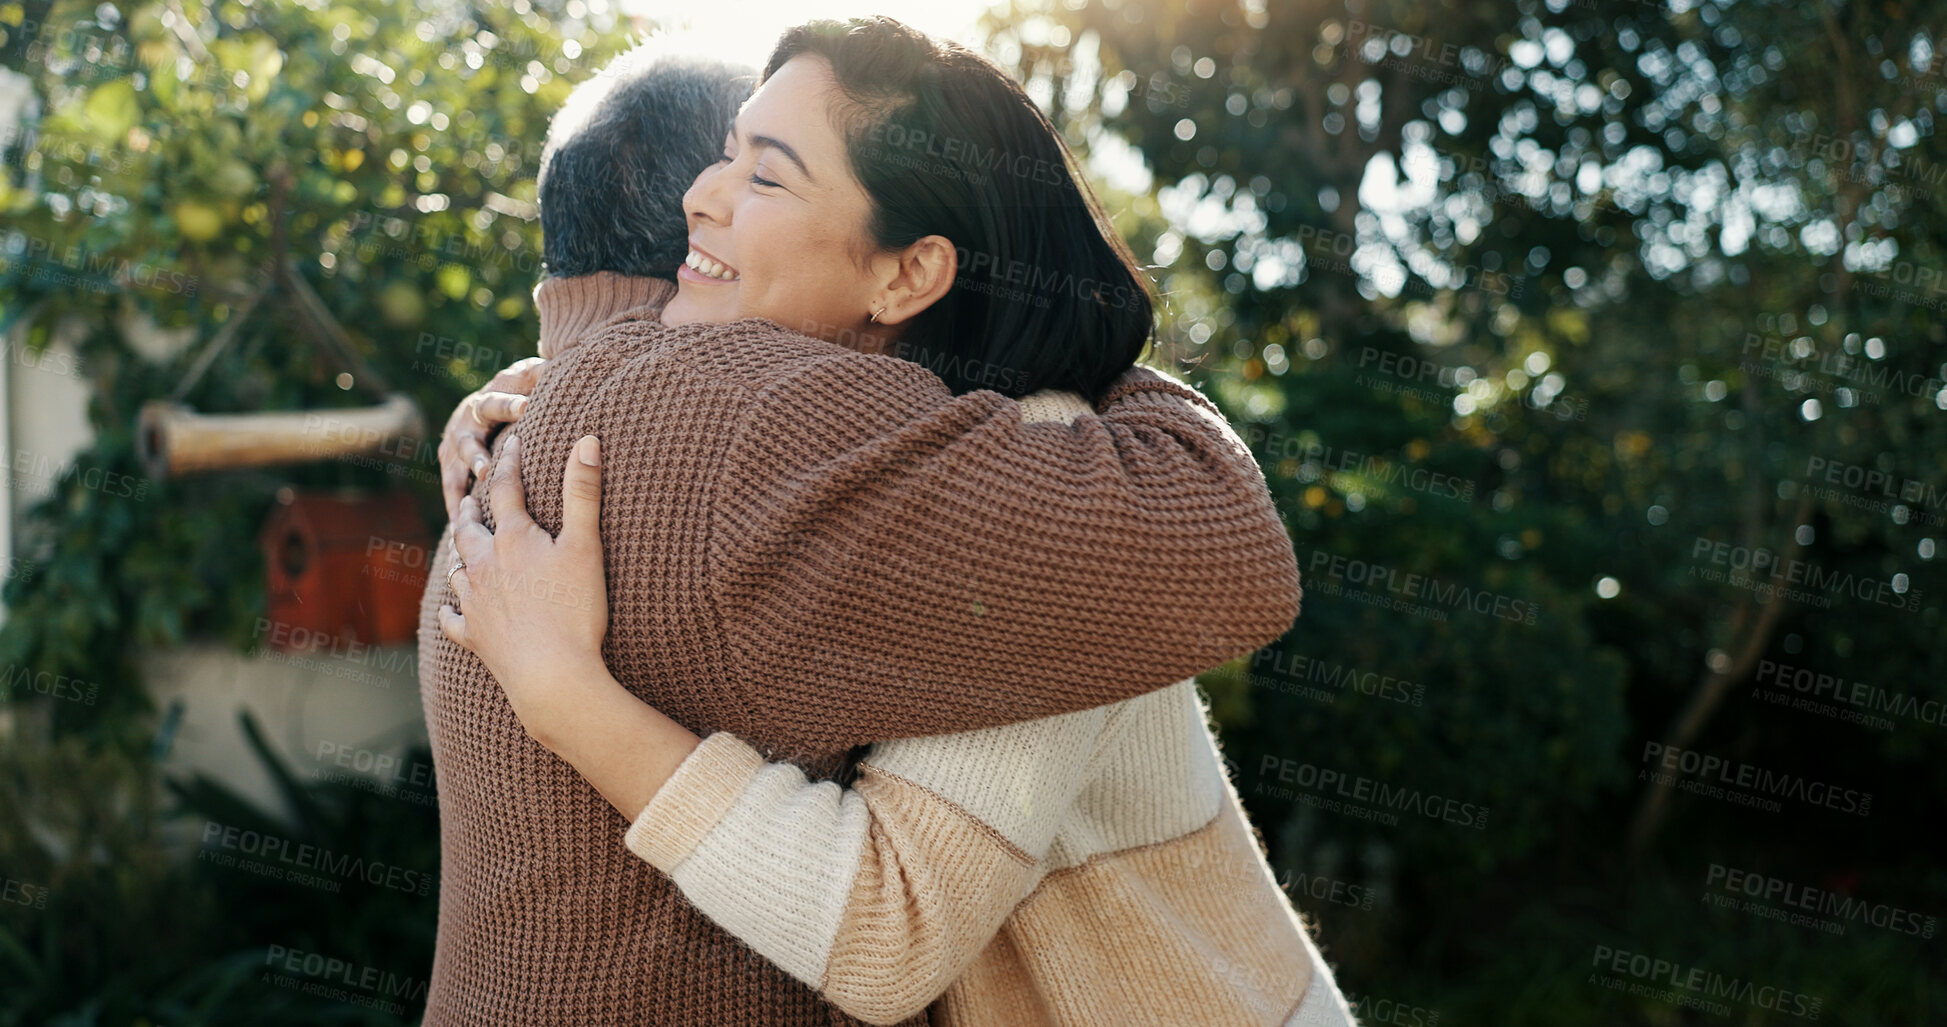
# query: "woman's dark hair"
[[1047, 294]]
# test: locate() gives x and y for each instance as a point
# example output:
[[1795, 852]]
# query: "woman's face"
[[777, 225]]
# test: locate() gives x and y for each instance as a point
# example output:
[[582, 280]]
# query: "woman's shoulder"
[[1054, 405]]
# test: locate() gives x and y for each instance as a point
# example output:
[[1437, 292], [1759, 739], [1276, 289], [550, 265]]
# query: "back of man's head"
[[622, 151]]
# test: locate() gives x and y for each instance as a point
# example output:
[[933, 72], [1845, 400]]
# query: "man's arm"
[[924, 563]]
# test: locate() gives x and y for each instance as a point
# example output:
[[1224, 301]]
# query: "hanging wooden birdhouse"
[[343, 570]]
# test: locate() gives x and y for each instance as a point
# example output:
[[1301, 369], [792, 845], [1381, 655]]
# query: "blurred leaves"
[[167, 155], [1529, 246]]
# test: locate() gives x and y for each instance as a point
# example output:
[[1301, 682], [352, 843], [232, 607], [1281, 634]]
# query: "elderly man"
[[619, 155]]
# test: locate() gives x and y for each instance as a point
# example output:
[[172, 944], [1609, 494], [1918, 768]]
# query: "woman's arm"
[[881, 895]]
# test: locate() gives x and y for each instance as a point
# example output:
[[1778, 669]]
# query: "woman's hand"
[[534, 608], [463, 445]]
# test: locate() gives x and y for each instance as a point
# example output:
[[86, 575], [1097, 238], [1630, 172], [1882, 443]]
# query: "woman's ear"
[[926, 271]]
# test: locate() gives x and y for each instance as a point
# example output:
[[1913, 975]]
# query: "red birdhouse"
[[343, 568]]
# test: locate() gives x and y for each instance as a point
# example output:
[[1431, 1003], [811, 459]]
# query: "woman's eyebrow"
[[736, 128], [782, 147]]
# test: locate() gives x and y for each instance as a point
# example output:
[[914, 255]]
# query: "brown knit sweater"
[[814, 549]]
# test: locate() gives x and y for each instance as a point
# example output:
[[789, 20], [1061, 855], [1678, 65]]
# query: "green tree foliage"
[[385, 153], [1656, 287], [172, 156], [1523, 306]]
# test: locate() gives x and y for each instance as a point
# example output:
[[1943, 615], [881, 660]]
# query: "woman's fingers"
[[581, 494], [506, 492], [453, 625]]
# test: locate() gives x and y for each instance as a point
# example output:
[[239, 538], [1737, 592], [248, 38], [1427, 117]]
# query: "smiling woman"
[[948, 206], [783, 190]]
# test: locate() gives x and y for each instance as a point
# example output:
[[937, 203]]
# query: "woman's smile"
[[700, 266]]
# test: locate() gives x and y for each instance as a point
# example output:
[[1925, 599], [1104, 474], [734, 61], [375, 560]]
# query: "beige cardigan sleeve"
[[879, 895]]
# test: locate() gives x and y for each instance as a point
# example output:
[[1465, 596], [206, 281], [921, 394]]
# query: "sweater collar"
[[571, 307]]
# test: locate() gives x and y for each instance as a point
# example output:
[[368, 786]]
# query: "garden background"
[[1592, 350]]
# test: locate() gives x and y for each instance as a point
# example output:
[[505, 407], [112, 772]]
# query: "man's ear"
[[926, 272]]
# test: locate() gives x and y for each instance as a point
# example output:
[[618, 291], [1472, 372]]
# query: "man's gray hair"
[[622, 151]]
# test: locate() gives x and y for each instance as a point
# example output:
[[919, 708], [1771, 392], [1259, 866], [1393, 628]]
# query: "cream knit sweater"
[[1090, 868]]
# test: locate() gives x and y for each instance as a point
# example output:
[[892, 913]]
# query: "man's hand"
[[463, 445]]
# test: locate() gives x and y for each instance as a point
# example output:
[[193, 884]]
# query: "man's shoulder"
[[748, 355]]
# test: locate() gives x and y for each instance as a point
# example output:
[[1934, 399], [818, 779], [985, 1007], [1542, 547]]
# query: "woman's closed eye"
[[755, 178]]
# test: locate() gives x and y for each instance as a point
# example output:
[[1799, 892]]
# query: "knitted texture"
[[571, 308], [1092, 868], [815, 549]]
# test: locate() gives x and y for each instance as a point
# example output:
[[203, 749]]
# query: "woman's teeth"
[[703, 265]]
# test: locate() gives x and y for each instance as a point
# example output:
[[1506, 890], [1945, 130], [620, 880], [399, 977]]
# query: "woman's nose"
[[704, 200]]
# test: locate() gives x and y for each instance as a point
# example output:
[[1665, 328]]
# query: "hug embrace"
[[813, 641]]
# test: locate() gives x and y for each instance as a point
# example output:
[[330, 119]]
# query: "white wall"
[[344, 703], [314, 710]]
